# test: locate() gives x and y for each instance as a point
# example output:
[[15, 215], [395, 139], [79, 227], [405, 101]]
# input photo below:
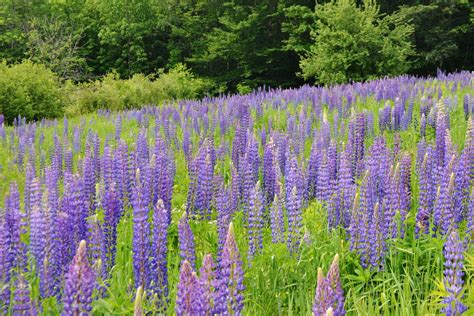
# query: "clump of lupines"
[[190, 298], [453, 273], [79, 284], [329, 294]]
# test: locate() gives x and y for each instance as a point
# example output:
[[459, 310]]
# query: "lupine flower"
[[323, 299], [334, 279], [208, 282], [22, 304], [229, 296], [441, 126], [223, 220], [186, 241], [190, 298], [159, 251], [443, 215], [453, 273], [425, 195], [268, 172], [295, 221], [79, 284], [141, 229]]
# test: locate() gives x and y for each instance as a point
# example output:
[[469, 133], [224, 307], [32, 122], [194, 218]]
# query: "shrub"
[[115, 94], [29, 90], [355, 43]]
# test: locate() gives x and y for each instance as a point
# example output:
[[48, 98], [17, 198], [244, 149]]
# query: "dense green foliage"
[[30, 90], [33, 91], [354, 43], [238, 44], [114, 93]]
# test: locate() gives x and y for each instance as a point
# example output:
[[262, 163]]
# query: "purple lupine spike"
[[423, 125], [346, 188], [268, 172], [186, 241], [253, 158], [323, 188], [255, 220], [207, 280], [162, 174], [313, 168], [141, 228], [122, 178], [159, 273], [277, 221], [74, 204], [118, 127], [461, 187], [246, 185], [16, 226], [470, 215], [112, 214], [425, 196], [68, 161], [295, 220], [190, 298], [204, 187], [229, 294], [96, 251], [398, 202], [453, 275], [323, 300], [141, 152], [223, 220], [334, 210], [22, 304], [186, 144], [192, 187], [61, 251], [89, 177], [30, 175], [79, 283], [5, 265], [334, 279], [443, 214], [107, 167], [37, 227], [441, 127]]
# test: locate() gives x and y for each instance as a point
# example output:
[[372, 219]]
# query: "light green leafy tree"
[[355, 43]]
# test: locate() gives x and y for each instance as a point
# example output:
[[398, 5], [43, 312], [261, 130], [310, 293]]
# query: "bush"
[[355, 43], [115, 94], [29, 90]]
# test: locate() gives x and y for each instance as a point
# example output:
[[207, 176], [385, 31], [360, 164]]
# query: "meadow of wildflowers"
[[354, 199]]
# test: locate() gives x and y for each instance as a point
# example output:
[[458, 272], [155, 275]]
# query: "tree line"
[[240, 44]]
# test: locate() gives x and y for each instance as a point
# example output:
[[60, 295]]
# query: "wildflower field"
[[352, 199]]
